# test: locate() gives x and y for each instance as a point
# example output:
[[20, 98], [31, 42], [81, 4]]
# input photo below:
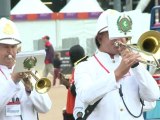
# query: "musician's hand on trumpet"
[[16, 77], [22, 76], [27, 82], [129, 58], [42, 84]]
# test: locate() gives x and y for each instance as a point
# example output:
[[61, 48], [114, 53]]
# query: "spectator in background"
[[57, 67], [77, 55], [48, 68]]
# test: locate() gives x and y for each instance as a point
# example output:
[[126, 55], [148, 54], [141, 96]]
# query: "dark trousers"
[[56, 75]]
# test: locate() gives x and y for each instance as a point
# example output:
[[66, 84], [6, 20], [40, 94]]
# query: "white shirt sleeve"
[[148, 86], [85, 81]]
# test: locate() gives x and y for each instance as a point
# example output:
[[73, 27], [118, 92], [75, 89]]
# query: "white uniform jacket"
[[94, 82], [30, 105]]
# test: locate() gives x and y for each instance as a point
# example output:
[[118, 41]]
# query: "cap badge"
[[124, 24], [8, 29], [29, 62]]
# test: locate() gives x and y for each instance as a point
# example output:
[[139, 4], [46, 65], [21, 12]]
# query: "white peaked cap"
[[8, 32], [102, 22]]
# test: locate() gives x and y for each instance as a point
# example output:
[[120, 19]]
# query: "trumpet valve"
[[116, 44], [119, 44]]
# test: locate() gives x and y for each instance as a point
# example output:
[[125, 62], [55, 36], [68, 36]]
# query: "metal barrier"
[[155, 18]]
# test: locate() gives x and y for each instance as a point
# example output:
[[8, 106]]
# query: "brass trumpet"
[[148, 44], [42, 85]]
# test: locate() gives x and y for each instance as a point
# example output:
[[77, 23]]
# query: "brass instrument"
[[150, 41], [148, 44], [42, 85], [10, 57]]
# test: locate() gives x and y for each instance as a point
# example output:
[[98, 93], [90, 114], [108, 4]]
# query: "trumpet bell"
[[43, 85], [149, 41]]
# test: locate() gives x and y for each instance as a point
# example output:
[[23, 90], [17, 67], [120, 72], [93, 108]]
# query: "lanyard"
[[101, 64], [12, 98], [3, 74], [121, 94]]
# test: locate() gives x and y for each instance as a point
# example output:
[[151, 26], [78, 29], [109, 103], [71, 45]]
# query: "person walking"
[[18, 101], [57, 68], [114, 77], [48, 68]]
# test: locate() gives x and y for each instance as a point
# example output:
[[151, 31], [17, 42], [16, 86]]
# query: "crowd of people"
[[111, 84]]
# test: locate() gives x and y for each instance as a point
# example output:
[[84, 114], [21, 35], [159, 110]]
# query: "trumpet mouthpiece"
[[10, 57], [118, 44]]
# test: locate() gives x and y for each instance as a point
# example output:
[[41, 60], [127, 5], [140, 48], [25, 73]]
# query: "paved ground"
[[58, 96]]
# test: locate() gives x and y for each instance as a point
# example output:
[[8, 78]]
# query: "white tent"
[[83, 29], [82, 6], [32, 31], [58, 30], [30, 7]]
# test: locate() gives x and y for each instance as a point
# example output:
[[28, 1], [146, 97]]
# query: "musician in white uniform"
[[112, 76], [17, 101]]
